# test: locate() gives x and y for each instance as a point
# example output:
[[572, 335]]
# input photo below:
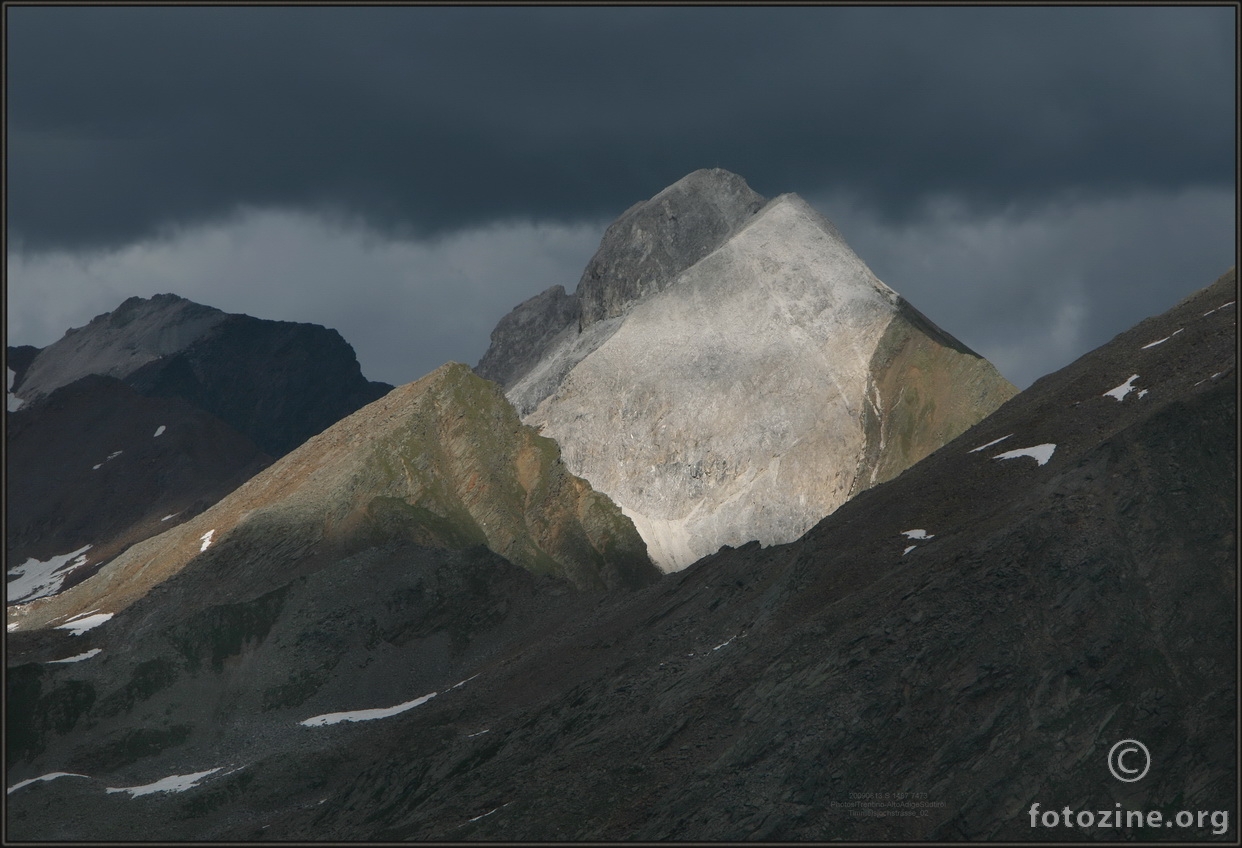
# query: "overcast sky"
[[1035, 180]]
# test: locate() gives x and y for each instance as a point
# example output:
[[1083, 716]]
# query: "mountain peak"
[[653, 241]]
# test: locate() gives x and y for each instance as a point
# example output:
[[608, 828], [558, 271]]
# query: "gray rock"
[[645, 249], [758, 389]]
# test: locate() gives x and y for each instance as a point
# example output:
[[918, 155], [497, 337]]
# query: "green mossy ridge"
[[461, 432], [932, 389]]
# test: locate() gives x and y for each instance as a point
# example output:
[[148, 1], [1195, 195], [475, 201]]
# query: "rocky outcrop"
[[443, 462], [963, 641], [17, 360], [276, 382], [645, 249], [744, 386], [641, 253], [523, 336]]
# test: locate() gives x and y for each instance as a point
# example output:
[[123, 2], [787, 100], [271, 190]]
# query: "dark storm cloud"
[[124, 121]]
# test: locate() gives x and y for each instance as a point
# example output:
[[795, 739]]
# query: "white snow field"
[[1040, 453], [34, 579], [86, 656], [160, 430], [79, 625], [14, 402], [1161, 341], [1124, 389], [365, 715], [52, 776], [917, 534], [989, 444], [206, 539], [173, 783]]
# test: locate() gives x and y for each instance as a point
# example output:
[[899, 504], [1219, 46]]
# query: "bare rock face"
[[647, 247], [746, 386], [641, 253], [525, 334], [443, 462]]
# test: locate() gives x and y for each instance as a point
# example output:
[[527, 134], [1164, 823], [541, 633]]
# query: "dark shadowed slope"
[[973, 636], [148, 415]]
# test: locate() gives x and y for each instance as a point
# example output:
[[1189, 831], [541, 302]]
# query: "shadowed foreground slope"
[[976, 633]]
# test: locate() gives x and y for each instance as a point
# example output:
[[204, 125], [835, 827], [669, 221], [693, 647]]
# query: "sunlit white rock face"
[[755, 391], [728, 407]]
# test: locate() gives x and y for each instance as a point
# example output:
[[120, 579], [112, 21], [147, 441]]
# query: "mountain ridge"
[[973, 635], [750, 392]]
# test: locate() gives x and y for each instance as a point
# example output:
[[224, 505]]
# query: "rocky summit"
[[946, 652], [442, 462], [275, 382], [148, 415], [729, 370]]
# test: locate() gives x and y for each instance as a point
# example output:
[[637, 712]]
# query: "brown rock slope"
[[442, 462]]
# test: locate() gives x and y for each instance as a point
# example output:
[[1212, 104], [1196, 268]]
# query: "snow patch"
[[725, 643], [1040, 453], [34, 579], [1222, 306], [489, 812], [166, 517], [206, 539], [907, 550], [1205, 379], [464, 682], [1124, 389], [159, 431], [78, 626], [52, 776], [1161, 341], [989, 444], [917, 534], [92, 652], [96, 467], [173, 783], [365, 715], [14, 402], [114, 455], [1142, 393]]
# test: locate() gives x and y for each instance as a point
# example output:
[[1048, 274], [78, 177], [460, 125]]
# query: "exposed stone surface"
[[443, 462], [645, 249], [641, 253], [788, 693], [757, 391], [276, 382], [522, 337]]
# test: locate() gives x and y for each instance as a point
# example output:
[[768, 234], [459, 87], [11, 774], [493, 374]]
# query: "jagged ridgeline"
[[442, 462], [728, 369]]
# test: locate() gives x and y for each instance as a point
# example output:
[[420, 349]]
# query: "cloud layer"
[[423, 120]]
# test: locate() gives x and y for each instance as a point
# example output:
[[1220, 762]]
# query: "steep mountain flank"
[[95, 467], [148, 415], [276, 382], [642, 252], [442, 462], [759, 384], [942, 652]]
